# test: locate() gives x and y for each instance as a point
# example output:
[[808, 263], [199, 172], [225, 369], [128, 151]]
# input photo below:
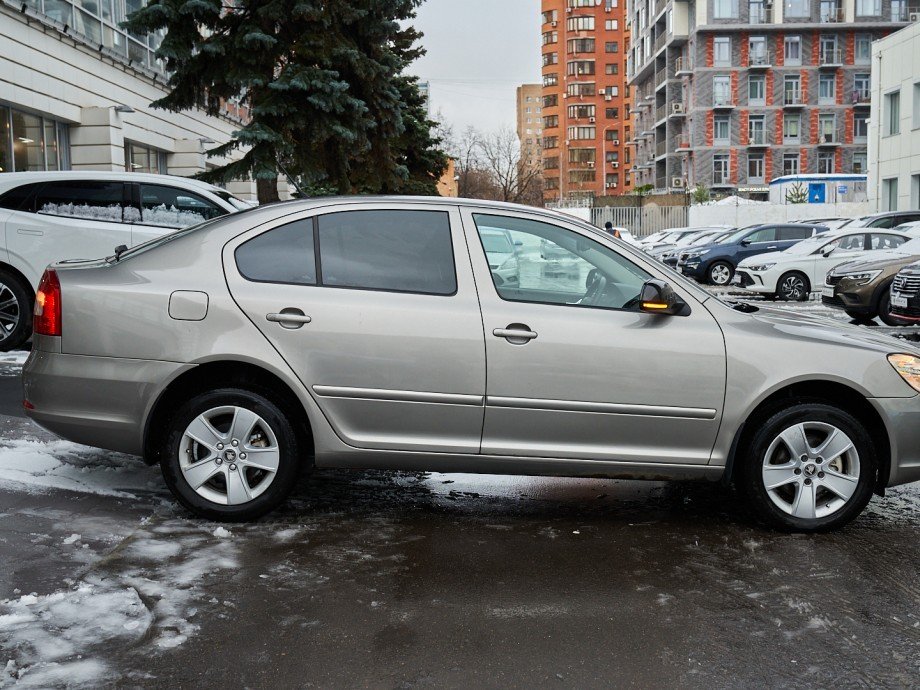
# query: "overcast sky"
[[479, 52]]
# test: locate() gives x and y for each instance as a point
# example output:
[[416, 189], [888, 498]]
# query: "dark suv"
[[716, 263]]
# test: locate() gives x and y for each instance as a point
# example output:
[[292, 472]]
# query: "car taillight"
[[47, 317]]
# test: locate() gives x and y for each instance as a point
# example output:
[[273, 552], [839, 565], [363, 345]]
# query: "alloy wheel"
[[229, 455], [720, 274], [811, 470], [792, 288], [10, 311]]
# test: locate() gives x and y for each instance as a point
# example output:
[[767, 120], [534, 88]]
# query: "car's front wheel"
[[720, 273], [810, 467], [793, 287], [230, 455], [15, 311], [884, 310]]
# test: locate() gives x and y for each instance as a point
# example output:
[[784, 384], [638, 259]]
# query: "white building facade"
[[894, 125], [75, 93]]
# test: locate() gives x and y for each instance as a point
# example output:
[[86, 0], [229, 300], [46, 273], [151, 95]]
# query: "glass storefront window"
[[32, 142], [27, 142], [139, 158], [6, 142]]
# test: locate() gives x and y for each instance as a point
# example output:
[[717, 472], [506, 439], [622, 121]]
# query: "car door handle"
[[515, 333], [773, 247], [289, 318], [24, 231]]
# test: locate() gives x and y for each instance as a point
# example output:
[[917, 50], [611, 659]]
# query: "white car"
[[793, 273], [51, 216]]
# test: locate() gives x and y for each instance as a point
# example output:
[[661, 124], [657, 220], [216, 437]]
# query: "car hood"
[[704, 247], [823, 329], [880, 261]]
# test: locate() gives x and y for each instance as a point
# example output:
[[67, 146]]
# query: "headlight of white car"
[[761, 267], [510, 262], [862, 277]]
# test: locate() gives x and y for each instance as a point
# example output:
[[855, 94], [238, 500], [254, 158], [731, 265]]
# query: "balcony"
[[661, 113], [659, 42], [792, 98], [832, 13], [758, 140], [760, 59], [830, 57], [829, 139], [862, 98], [683, 145], [661, 149], [760, 15], [683, 67], [661, 77], [905, 14], [725, 102]]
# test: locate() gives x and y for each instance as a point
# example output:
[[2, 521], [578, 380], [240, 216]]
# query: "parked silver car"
[[370, 332]]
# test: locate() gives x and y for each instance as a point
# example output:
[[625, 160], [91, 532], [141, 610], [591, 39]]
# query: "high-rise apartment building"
[[729, 94], [530, 124], [586, 104]]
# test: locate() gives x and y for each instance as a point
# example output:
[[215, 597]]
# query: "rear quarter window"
[[282, 255], [20, 198]]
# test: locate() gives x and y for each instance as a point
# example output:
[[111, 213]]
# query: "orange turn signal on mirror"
[[654, 305]]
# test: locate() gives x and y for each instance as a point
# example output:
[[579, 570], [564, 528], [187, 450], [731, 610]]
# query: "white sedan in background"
[[792, 274]]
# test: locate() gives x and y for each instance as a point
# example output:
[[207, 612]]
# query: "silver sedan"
[[373, 333]]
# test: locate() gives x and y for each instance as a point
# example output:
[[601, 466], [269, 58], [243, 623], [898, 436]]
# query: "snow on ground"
[[16, 357]]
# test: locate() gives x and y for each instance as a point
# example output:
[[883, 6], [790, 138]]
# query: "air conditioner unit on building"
[[615, 164], [678, 182], [915, 16], [616, 142], [592, 119], [590, 164], [677, 108], [608, 97]]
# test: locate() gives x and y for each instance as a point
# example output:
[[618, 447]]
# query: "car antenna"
[[119, 250], [291, 180]]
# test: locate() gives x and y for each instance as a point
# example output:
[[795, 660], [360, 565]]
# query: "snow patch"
[[17, 357], [222, 533], [72, 539]]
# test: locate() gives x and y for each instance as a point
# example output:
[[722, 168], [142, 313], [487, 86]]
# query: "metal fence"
[[642, 222]]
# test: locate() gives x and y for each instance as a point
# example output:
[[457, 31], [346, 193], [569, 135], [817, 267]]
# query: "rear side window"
[[879, 240], [19, 198], [172, 207], [886, 222], [282, 255], [399, 251], [87, 199], [796, 233]]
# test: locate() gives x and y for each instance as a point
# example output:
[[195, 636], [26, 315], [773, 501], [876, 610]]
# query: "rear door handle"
[[515, 333], [773, 247], [289, 318]]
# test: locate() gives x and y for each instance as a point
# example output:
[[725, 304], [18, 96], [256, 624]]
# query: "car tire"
[[793, 286], [230, 455], [817, 494], [884, 310], [720, 273], [16, 312]]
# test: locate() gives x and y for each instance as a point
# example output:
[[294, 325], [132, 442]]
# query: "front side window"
[[397, 251], [171, 207], [282, 255], [553, 265], [84, 199]]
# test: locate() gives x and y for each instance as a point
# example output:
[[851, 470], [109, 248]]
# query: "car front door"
[[844, 248], [759, 241], [574, 370], [375, 310]]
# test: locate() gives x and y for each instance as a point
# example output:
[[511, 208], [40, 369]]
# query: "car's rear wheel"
[[230, 455], [720, 273], [15, 311], [809, 468], [793, 287]]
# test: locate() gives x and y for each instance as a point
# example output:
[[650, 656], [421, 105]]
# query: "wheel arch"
[[830, 392], [220, 374], [19, 275], [883, 287]]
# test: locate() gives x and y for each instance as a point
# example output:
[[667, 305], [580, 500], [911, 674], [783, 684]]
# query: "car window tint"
[[796, 233], [885, 241], [86, 199], [882, 222], [400, 251], [762, 235], [282, 255], [553, 265], [172, 207], [852, 243], [18, 198]]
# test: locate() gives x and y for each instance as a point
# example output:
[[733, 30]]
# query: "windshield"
[[719, 238], [496, 244], [910, 247], [235, 202], [740, 234]]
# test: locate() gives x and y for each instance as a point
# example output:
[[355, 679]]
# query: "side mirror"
[[827, 252], [518, 244], [745, 243], [658, 297]]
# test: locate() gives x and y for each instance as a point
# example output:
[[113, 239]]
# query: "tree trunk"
[[267, 190]]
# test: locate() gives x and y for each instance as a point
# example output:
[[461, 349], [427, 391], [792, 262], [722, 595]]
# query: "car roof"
[[9, 180]]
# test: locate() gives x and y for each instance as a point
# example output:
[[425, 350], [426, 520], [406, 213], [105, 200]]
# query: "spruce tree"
[[324, 83]]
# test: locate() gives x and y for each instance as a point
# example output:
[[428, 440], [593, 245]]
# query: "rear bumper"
[[96, 401], [902, 419]]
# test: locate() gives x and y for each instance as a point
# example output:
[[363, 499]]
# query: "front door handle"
[[289, 318], [773, 247], [515, 333]]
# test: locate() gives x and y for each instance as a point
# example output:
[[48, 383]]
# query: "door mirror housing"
[[658, 297], [745, 242]]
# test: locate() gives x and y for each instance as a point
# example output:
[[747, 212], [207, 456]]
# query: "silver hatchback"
[[373, 333]]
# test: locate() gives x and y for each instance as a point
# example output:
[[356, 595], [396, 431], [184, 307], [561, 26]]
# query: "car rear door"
[[67, 219], [375, 309], [577, 373]]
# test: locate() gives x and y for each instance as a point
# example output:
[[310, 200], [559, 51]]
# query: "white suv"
[[47, 217]]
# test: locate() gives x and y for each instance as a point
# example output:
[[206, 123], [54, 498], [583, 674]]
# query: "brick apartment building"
[[530, 124], [586, 105], [729, 94]]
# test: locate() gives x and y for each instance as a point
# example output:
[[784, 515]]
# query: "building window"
[[725, 9], [757, 88], [550, 142], [31, 142], [550, 121], [829, 55], [890, 194], [581, 45], [722, 90], [825, 163], [550, 183], [579, 176], [721, 130], [612, 68], [797, 8], [550, 37], [720, 174], [612, 156], [579, 132], [550, 16], [892, 114], [613, 179], [612, 47], [581, 111], [792, 90], [580, 24], [614, 135], [612, 25], [791, 164], [863, 49], [551, 79], [551, 163], [722, 51], [550, 59], [868, 8], [756, 168], [580, 68], [792, 50], [915, 192], [861, 88], [757, 12], [757, 130], [860, 128], [144, 159], [827, 89], [581, 89], [916, 121], [791, 128], [859, 162], [757, 50], [551, 100], [582, 155], [612, 113]]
